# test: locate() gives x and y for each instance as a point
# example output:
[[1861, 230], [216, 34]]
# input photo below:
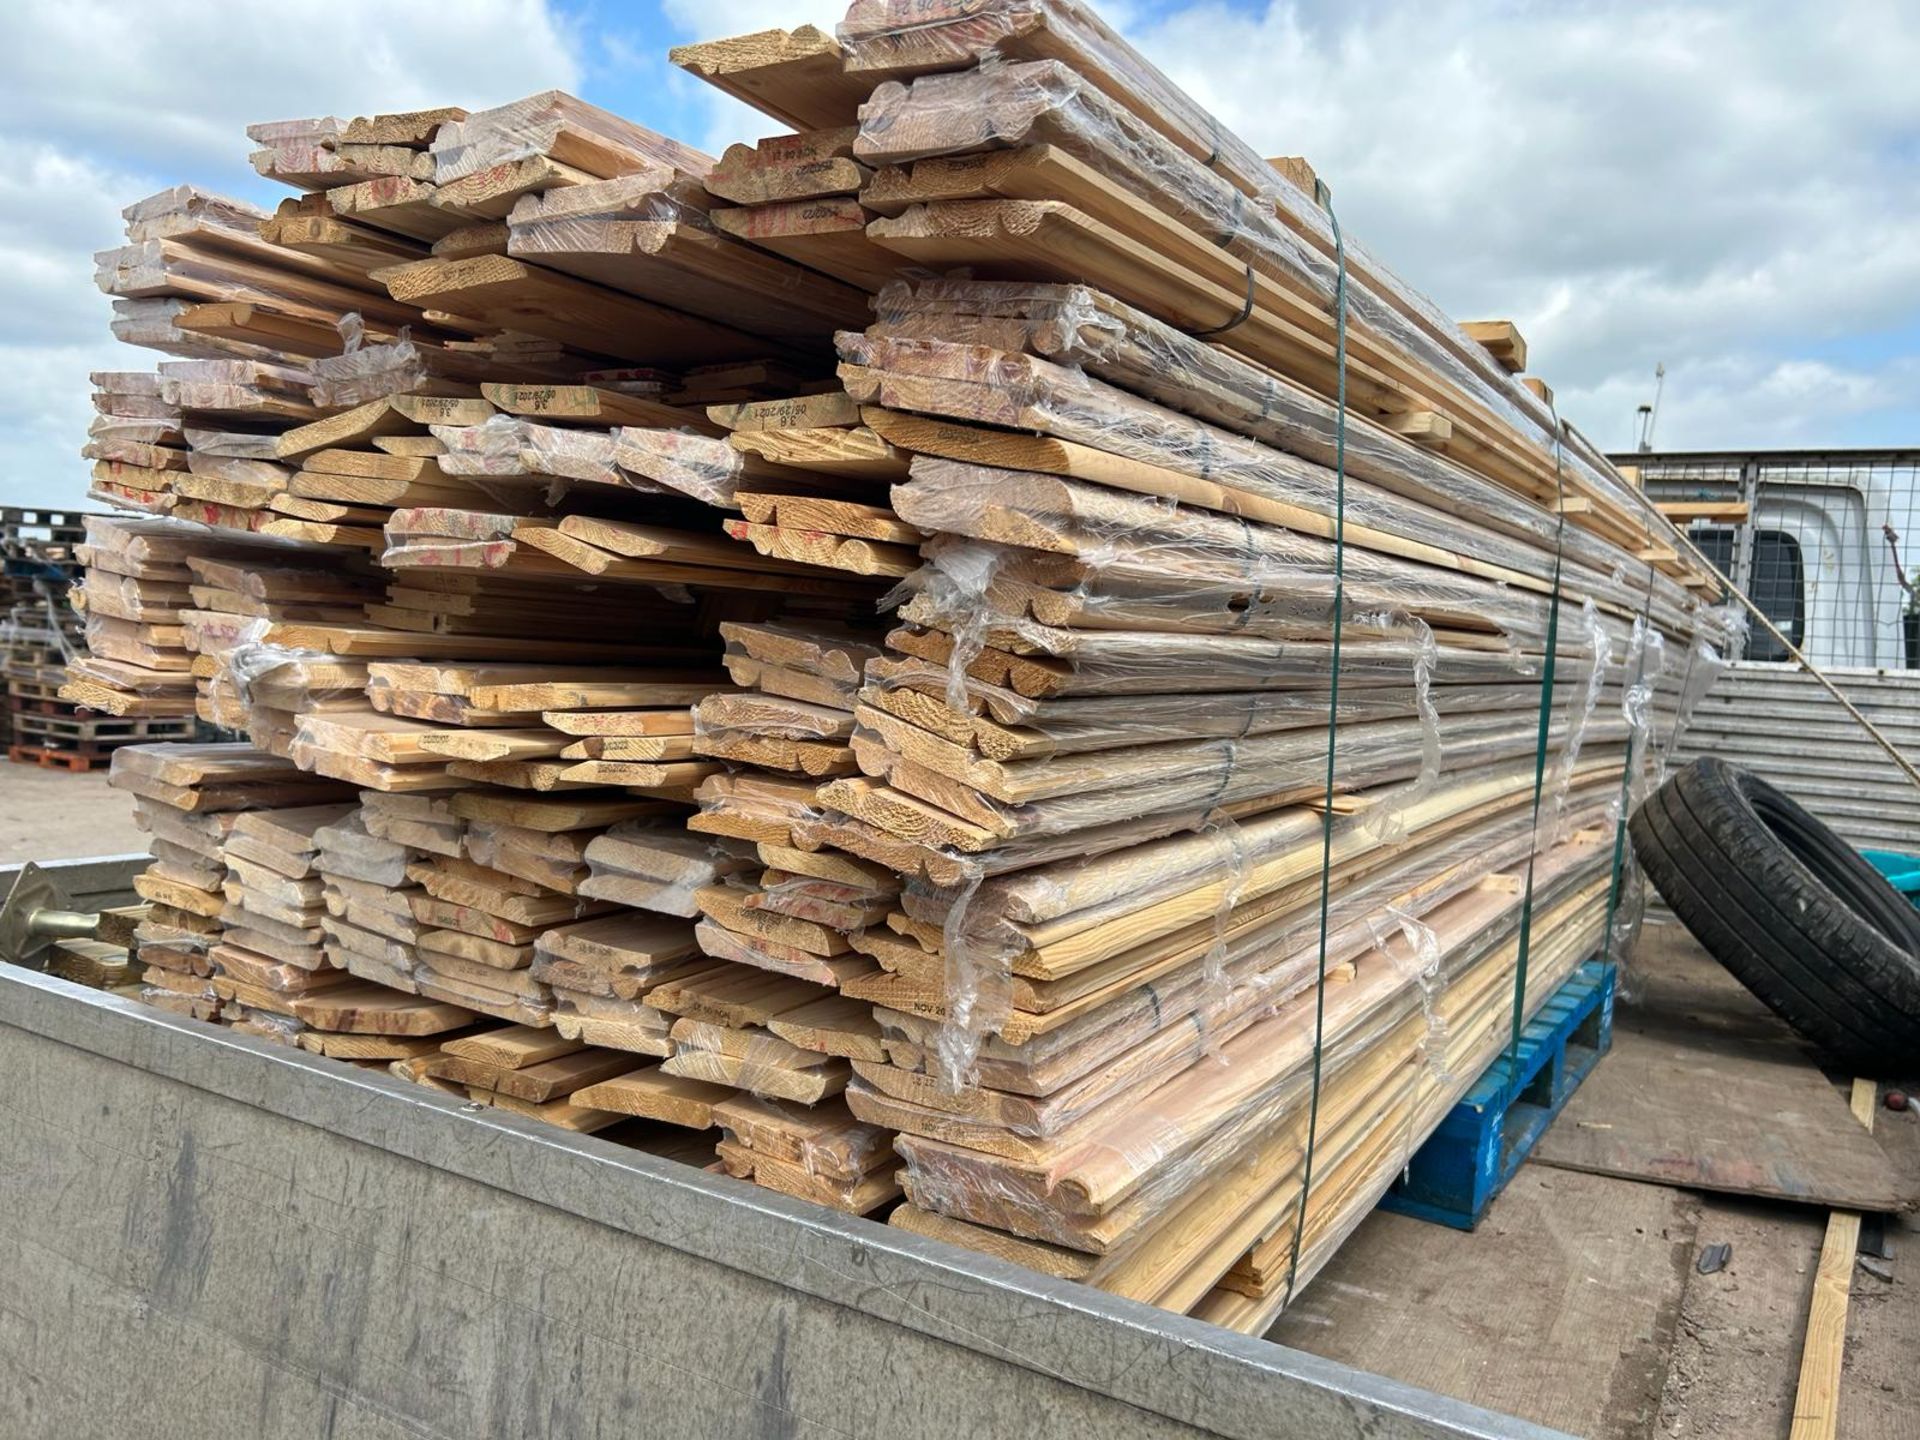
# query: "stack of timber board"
[[828, 655], [200, 911]]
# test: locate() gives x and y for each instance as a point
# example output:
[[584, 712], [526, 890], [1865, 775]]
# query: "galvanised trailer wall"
[[1777, 722], [205, 1235]]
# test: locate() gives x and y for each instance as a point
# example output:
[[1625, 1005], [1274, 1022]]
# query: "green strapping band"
[[1539, 760], [1325, 199]]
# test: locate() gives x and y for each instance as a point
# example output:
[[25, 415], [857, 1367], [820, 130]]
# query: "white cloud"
[[44, 417], [1728, 188], [102, 102], [55, 210], [176, 82]]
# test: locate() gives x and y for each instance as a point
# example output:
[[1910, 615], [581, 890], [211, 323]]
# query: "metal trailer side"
[[207, 1235], [1775, 720]]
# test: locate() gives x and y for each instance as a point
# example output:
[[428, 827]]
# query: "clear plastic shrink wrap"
[[1055, 63], [555, 124], [1169, 869]]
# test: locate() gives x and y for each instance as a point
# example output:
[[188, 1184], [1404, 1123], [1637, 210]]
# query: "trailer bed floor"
[[1577, 1303]]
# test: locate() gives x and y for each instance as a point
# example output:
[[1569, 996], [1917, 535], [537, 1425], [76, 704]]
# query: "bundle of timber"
[[1225, 723], [977, 663], [39, 563], [270, 954], [200, 913], [369, 929]]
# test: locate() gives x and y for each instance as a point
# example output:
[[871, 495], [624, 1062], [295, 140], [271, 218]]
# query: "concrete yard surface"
[[58, 815]]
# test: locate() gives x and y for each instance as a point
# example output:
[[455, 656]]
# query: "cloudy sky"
[[1728, 187]]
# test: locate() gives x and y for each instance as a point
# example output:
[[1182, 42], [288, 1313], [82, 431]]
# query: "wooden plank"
[[1717, 1096], [793, 75], [373, 1009], [1733, 512], [828, 234], [514, 295], [1816, 1401], [683, 263], [1502, 340], [655, 1094], [587, 404], [790, 167]]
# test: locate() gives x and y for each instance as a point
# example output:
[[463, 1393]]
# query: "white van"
[[1829, 534]]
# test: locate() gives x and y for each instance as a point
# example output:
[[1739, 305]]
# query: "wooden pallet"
[[78, 761], [1454, 1177], [62, 530], [45, 702], [33, 665], [64, 728], [29, 516]]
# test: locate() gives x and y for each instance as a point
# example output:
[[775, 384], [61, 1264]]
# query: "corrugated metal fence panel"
[[1777, 721]]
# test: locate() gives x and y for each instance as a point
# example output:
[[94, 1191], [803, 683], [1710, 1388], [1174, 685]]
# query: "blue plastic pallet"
[[1466, 1162]]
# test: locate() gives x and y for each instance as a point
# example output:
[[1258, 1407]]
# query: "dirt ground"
[[56, 815], [1578, 1304]]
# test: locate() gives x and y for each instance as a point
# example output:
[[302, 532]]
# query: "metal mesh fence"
[[1827, 544]]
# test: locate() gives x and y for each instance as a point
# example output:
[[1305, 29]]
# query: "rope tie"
[[1325, 199], [1256, 591], [1246, 313]]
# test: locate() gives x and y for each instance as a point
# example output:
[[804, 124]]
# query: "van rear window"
[[1778, 585]]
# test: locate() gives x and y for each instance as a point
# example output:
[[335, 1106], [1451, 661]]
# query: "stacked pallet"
[[41, 635], [1235, 765], [39, 562]]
